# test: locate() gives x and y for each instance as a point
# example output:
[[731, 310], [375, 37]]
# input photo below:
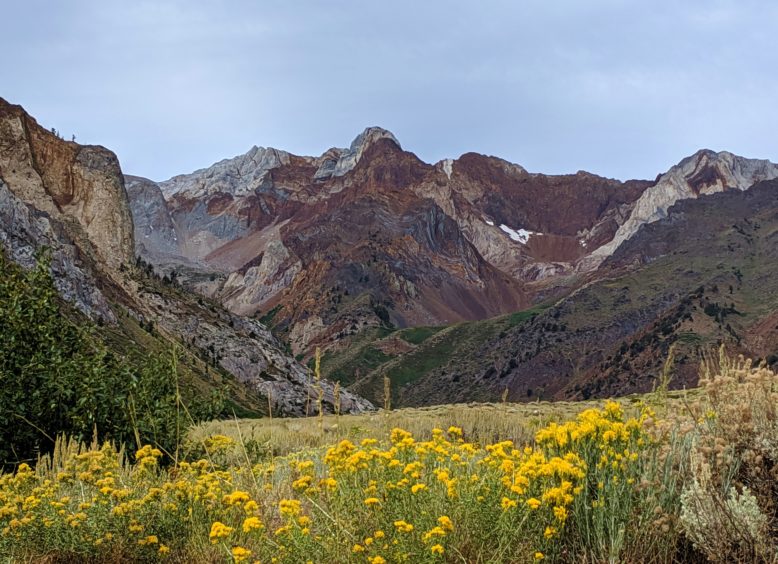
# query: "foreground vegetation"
[[659, 480], [60, 375]]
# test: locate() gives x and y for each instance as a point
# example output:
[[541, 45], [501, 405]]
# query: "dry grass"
[[482, 423]]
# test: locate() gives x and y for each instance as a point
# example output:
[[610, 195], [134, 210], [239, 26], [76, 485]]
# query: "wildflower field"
[[661, 480]]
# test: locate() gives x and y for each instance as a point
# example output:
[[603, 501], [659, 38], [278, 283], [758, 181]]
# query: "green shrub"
[[58, 376]]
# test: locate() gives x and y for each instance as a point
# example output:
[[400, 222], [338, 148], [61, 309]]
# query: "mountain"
[[363, 237], [73, 199], [701, 277], [457, 280], [365, 250]]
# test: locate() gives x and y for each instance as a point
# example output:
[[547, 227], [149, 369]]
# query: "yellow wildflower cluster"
[[401, 500]]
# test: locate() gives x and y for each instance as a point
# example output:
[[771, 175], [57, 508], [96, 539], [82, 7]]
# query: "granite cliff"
[[74, 201]]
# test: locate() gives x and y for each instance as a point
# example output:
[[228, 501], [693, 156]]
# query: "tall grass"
[[677, 477]]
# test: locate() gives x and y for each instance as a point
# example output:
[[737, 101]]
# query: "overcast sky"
[[620, 88]]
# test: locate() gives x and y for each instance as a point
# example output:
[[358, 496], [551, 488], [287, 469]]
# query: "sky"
[[620, 88]]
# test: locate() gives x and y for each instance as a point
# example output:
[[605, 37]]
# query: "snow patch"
[[489, 222], [518, 235]]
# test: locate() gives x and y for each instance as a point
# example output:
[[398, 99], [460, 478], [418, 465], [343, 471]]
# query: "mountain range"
[[462, 280]]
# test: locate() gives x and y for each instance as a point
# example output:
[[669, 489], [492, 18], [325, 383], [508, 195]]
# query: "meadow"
[[664, 477]]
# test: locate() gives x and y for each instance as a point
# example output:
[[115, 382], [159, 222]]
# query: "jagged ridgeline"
[[462, 279]]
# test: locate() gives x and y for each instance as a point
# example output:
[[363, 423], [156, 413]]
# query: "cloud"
[[617, 87]]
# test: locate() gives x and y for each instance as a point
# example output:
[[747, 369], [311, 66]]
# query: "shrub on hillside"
[[730, 502], [58, 377]]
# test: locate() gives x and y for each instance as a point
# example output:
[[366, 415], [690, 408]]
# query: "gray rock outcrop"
[[705, 172], [347, 159]]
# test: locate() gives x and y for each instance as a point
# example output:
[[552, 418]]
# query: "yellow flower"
[[302, 483], [377, 560], [251, 523], [507, 503], [239, 554], [403, 526], [539, 556], [533, 503], [219, 531], [370, 501], [329, 483], [236, 498], [560, 513], [437, 549], [613, 410], [446, 523], [216, 443], [357, 548], [251, 506], [434, 532], [549, 532], [398, 435], [163, 549], [416, 488], [289, 507]]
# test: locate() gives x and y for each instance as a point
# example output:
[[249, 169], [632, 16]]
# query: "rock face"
[[238, 177], [705, 172], [338, 162], [24, 230], [72, 200], [370, 235], [79, 185], [154, 232]]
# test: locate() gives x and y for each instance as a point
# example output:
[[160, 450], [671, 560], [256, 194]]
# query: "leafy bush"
[[57, 376]]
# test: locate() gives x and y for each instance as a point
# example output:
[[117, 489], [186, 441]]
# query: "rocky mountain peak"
[[155, 233], [708, 171], [704, 172], [81, 184], [239, 176], [338, 162], [369, 136]]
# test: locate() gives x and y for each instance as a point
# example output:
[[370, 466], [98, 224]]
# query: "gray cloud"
[[620, 88]]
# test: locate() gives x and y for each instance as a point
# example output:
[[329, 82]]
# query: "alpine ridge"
[[456, 280], [74, 201], [371, 236]]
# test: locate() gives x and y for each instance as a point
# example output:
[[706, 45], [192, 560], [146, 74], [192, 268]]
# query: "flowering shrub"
[[397, 500]]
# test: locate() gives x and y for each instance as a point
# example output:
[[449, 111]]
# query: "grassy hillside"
[[704, 276], [407, 355]]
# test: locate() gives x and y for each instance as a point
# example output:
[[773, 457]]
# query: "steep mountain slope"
[[368, 236], [702, 276], [705, 172], [342, 250], [72, 199]]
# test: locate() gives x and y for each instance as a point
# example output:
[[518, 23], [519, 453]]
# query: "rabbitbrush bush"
[[730, 501], [676, 485], [575, 493]]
